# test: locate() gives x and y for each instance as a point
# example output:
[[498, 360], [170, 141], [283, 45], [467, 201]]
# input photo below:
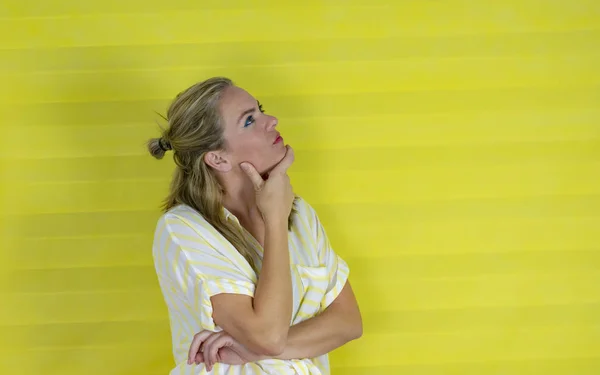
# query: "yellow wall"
[[451, 147]]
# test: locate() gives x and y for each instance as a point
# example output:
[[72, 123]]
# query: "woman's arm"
[[340, 323], [261, 323], [341, 320]]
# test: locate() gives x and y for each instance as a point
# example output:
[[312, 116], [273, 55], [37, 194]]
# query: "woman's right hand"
[[274, 196]]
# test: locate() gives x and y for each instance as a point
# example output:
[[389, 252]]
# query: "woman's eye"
[[260, 107], [249, 121]]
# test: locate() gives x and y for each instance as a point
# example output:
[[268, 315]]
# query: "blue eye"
[[249, 121]]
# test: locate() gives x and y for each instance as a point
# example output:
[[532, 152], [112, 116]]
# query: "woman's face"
[[250, 134]]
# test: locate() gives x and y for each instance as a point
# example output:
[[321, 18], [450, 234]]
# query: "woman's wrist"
[[275, 223]]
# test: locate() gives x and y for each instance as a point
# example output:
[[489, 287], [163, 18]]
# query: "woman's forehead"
[[234, 102]]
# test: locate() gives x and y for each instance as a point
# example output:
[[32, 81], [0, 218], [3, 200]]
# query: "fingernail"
[[244, 166]]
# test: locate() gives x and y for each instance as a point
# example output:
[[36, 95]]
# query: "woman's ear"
[[217, 161]]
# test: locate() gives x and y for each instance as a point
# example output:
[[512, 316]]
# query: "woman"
[[250, 280]]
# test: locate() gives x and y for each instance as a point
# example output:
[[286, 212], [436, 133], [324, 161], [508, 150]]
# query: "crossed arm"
[[338, 324]]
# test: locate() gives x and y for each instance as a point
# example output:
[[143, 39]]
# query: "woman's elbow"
[[357, 331], [273, 349], [355, 328], [271, 344]]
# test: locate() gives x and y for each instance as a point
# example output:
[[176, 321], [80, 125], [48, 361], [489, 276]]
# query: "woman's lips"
[[278, 139]]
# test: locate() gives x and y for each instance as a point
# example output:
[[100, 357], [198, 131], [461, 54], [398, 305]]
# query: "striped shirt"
[[194, 262]]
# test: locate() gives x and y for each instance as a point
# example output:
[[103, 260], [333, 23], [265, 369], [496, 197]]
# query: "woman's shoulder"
[[302, 206], [183, 218], [183, 226], [182, 211], [306, 211]]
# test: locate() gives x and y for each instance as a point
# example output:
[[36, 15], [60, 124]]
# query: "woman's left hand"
[[212, 347]]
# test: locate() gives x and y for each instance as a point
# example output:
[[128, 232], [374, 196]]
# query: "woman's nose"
[[272, 122]]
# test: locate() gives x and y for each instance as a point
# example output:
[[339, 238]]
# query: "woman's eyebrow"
[[246, 112]]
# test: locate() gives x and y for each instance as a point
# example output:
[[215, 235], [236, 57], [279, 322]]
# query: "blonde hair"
[[195, 128]]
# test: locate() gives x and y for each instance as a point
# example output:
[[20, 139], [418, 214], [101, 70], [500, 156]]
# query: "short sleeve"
[[202, 259], [337, 269]]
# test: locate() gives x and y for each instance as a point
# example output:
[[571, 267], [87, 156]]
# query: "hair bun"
[[164, 144]]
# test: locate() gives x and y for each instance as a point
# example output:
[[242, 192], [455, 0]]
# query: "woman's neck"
[[239, 197]]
